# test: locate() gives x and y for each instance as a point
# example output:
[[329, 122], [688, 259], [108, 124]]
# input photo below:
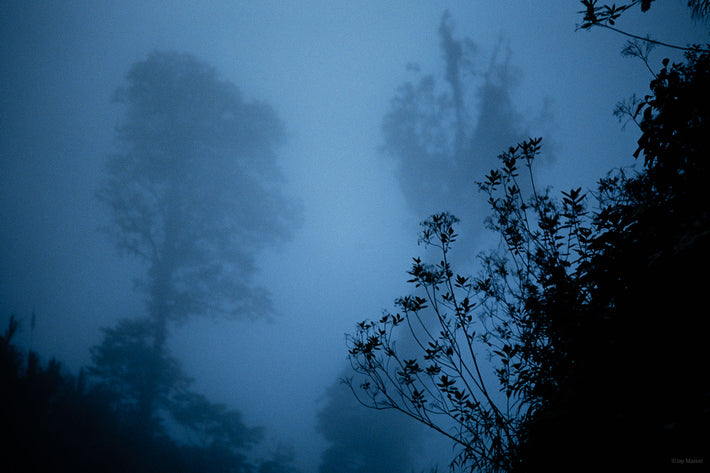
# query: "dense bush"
[[592, 313]]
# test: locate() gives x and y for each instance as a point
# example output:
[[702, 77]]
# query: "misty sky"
[[329, 69]]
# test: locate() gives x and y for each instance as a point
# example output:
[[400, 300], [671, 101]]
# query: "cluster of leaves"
[[605, 16], [570, 310], [58, 422], [673, 126], [459, 319], [446, 388], [633, 324], [537, 280]]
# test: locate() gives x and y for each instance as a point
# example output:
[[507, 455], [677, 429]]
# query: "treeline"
[[55, 421]]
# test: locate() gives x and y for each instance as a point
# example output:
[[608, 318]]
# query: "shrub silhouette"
[[591, 313]]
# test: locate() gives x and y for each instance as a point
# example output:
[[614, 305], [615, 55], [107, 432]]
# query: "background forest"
[[551, 311]]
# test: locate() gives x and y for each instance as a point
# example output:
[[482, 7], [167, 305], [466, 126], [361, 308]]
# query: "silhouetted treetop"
[[193, 189], [173, 100]]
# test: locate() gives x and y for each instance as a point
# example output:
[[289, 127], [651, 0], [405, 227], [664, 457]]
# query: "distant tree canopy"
[[193, 188], [148, 391], [443, 130], [589, 314], [135, 374], [193, 192], [126, 368]]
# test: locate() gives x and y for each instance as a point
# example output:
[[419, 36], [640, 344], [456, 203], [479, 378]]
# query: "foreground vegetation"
[[591, 313]]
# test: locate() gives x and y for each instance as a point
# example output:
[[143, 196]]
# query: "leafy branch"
[[605, 16]]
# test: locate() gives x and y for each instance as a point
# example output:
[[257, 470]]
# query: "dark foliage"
[[126, 366], [630, 383], [53, 421], [591, 314], [443, 381], [595, 13], [604, 15], [129, 368]]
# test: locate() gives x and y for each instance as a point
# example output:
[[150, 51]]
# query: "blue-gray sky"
[[329, 69]]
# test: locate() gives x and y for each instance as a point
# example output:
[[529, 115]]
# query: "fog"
[[344, 185]]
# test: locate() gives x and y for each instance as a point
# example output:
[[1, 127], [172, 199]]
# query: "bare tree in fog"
[[192, 192], [444, 135]]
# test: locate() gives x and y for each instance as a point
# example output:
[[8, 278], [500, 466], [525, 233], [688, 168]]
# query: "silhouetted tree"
[[442, 383], [49, 419], [617, 389], [128, 368], [11, 357], [589, 315], [123, 365], [210, 425], [193, 193], [54, 421]]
